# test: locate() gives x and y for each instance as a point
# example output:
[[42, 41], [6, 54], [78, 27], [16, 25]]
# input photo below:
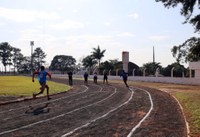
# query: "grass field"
[[23, 86]]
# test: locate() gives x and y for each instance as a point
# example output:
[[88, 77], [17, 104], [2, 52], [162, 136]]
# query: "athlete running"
[[42, 74], [124, 75]]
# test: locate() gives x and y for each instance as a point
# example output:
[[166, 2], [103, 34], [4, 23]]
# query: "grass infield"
[[23, 86]]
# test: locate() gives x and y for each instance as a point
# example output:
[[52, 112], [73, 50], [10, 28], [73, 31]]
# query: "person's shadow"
[[39, 110]]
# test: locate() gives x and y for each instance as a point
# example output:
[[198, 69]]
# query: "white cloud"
[[2, 23], [134, 15], [21, 15], [86, 41], [30, 34], [75, 11], [45, 15], [107, 23], [158, 38], [126, 34], [68, 24]]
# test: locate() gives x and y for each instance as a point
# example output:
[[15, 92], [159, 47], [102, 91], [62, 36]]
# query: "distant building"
[[196, 67]]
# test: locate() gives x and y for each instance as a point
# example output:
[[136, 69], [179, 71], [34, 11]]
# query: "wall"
[[172, 80], [195, 66]]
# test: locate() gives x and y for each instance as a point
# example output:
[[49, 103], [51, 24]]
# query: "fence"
[[171, 80]]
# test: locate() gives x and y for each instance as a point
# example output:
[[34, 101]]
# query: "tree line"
[[11, 56], [187, 51]]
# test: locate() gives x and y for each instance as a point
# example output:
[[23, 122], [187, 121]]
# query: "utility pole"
[[32, 44], [153, 55]]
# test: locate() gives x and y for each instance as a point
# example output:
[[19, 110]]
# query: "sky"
[[75, 27]]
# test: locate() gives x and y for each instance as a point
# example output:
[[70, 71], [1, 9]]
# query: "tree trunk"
[[5, 68], [99, 64]]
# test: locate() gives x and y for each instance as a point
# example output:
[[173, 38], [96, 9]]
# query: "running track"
[[95, 110]]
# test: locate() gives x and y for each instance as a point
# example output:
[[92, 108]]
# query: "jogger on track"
[[42, 74], [124, 75], [70, 74], [105, 77], [85, 77]]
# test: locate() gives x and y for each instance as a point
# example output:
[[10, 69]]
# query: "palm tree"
[[89, 62], [98, 54], [151, 67]]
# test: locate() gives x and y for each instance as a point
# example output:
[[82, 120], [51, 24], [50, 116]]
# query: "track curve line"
[[50, 101], [94, 120], [146, 116], [55, 117]]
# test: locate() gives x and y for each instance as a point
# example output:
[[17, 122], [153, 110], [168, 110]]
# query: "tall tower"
[[153, 55], [125, 60]]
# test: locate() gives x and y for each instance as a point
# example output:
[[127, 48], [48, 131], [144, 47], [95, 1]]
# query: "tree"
[[89, 62], [114, 62], [98, 54], [188, 51], [151, 68], [112, 65], [5, 53], [107, 65], [24, 64], [187, 10], [17, 58], [38, 57], [177, 72], [62, 63]]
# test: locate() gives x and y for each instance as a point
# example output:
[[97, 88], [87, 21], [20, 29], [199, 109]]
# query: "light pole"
[[172, 72], [60, 61], [32, 44]]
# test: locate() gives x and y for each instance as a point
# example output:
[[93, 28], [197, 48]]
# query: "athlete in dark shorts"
[[85, 78], [105, 78], [70, 78], [42, 74], [124, 75], [95, 77]]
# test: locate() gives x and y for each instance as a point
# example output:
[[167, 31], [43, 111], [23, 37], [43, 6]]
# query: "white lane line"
[[186, 122], [145, 117], [55, 117], [9, 118], [94, 120], [68, 102], [53, 100]]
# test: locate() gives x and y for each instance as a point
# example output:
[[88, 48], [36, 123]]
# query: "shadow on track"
[[39, 110]]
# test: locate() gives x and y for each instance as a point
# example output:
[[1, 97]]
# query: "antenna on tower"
[[153, 55]]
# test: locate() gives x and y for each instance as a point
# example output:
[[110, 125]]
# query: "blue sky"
[[74, 27]]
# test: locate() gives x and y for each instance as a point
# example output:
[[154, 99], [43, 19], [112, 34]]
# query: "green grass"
[[23, 86], [191, 104]]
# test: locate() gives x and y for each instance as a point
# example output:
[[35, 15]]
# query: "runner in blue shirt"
[[42, 77], [124, 75]]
